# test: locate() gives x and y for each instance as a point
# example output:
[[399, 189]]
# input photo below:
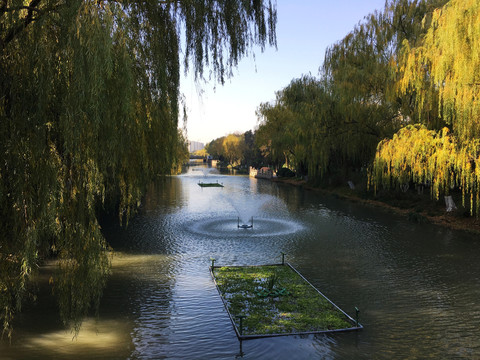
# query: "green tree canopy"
[[443, 69], [89, 106], [440, 70], [233, 148], [215, 148], [360, 71], [236, 149], [334, 123], [252, 155], [274, 133]]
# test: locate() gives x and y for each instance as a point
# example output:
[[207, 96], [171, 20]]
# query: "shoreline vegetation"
[[416, 208], [394, 96]]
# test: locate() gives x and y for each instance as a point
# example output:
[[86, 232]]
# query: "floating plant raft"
[[276, 300], [215, 184]]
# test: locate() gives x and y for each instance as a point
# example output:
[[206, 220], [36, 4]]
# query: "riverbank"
[[415, 207]]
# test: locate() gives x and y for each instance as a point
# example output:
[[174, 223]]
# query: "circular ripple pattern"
[[228, 227]]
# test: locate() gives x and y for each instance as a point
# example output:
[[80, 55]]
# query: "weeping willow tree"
[[419, 154], [309, 102], [274, 134], [89, 107], [442, 72], [443, 69], [431, 157], [357, 70], [333, 124], [286, 125], [302, 128]]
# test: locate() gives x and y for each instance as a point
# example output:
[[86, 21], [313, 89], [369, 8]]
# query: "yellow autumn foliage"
[[442, 72], [431, 158], [445, 68]]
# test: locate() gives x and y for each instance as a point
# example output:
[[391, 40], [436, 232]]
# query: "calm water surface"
[[417, 286]]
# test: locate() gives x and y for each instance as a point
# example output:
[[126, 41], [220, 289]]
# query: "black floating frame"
[[216, 184], [356, 325]]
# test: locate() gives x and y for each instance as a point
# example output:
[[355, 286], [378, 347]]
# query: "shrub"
[[285, 172]]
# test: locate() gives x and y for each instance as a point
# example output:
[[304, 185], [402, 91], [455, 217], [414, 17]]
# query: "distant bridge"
[[202, 159], [198, 157]]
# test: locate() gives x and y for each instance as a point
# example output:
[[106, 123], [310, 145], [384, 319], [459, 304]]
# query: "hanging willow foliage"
[[275, 132], [445, 68], [89, 107], [332, 124], [429, 157], [413, 154], [442, 72]]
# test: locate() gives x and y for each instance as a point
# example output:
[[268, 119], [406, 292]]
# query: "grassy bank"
[[414, 205]]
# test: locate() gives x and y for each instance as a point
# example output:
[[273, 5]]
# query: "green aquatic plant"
[[274, 299]]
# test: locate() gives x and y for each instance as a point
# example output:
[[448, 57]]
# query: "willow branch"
[[27, 20], [3, 7], [21, 26]]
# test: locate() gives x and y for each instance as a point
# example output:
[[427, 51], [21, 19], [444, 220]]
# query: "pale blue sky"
[[305, 29]]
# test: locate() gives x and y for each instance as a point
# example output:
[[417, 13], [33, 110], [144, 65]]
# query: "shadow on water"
[[417, 285]]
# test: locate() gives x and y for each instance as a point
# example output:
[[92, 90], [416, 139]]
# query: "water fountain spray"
[[245, 226]]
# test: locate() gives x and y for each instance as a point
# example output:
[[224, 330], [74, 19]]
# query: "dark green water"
[[417, 285]]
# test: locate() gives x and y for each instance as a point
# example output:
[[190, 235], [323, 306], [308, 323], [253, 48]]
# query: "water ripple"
[[227, 227]]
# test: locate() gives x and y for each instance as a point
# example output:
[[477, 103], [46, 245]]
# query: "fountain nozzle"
[[244, 226]]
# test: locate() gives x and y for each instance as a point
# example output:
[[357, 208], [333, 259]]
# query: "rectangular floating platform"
[[210, 184], [276, 300]]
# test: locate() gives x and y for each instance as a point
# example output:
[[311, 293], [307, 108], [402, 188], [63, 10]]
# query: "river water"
[[417, 285]]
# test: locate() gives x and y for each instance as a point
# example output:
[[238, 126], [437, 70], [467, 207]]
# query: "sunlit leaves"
[[440, 70], [89, 108], [427, 157], [233, 148], [444, 68], [335, 122], [230, 148]]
